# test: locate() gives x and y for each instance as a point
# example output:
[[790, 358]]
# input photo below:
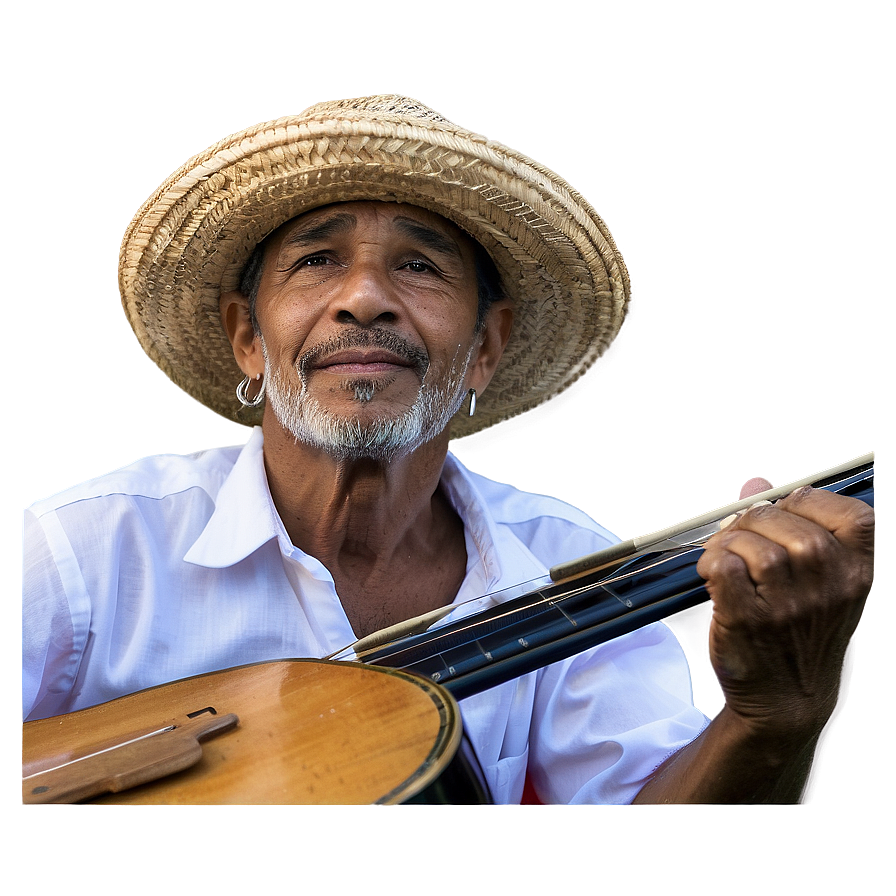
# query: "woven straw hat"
[[191, 239]]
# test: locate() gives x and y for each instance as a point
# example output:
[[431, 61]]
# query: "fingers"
[[850, 521], [810, 544], [749, 578], [775, 543], [808, 523]]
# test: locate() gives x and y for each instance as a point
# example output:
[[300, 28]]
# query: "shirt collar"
[[497, 561], [244, 517]]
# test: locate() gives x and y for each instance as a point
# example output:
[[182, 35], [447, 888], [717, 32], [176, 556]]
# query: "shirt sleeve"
[[605, 720], [54, 620]]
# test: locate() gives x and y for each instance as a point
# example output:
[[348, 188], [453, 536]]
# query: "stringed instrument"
[[286, 731], [379, 721]]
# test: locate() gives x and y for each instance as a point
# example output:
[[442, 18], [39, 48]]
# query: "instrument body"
[[310, 731]]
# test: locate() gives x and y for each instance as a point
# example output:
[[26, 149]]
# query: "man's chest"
[[414, 589]]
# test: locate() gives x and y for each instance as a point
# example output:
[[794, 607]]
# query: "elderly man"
[[372, 281]]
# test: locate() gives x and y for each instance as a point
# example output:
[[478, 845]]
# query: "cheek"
[[286, 333], [447, 325]]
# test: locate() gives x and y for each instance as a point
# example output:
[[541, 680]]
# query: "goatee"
[[382, 438]]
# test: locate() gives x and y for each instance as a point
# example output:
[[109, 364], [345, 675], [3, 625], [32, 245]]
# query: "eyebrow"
[[427, 236], [315, 231], [343, 222]]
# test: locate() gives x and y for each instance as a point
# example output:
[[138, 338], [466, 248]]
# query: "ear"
[[234, 309], [495, 333]]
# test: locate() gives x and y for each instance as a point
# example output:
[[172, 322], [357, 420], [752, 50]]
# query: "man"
[[377, 280]]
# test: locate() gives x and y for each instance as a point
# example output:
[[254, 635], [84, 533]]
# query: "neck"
[[371, 523], [329, 503]]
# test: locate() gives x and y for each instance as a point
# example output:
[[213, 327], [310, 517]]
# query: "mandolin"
[[378, 722], [286, 731]]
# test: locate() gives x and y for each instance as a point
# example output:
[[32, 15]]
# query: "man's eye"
[[313, 261], [418, 267]]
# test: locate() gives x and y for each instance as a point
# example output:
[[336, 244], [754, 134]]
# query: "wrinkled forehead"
[[399, 218]]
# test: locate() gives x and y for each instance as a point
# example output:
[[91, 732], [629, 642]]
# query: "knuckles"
[[862, 524], [718, 563], [854, 519], [812, 550], [771, 561], [809, 539]]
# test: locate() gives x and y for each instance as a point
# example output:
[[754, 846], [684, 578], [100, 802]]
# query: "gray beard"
[[384, 438]]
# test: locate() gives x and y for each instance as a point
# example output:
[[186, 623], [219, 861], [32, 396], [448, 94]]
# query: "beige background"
[[742, 155]]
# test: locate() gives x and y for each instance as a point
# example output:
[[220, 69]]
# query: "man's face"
[[367, 316]]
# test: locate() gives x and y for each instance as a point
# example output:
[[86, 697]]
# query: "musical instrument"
[[286, 731], [382, 723]]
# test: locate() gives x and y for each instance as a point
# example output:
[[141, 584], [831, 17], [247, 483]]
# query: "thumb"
[[754, 486]]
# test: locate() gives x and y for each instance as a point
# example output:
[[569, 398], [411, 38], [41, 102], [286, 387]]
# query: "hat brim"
[[191, 240]]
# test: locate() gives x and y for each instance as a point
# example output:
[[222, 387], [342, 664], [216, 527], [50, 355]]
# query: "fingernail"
[[730, 519]]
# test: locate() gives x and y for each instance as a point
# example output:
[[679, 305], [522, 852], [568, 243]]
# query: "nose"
[[366, 297]]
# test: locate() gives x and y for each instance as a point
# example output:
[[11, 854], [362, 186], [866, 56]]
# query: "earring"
[[242, 395], [472, 402]]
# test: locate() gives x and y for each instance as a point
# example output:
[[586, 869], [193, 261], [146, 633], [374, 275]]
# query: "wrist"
[[771, 742]]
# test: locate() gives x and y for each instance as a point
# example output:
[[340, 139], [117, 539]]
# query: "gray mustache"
[[373, 338]]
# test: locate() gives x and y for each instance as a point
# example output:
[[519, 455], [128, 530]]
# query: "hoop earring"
[[472, 402], [243, 396]]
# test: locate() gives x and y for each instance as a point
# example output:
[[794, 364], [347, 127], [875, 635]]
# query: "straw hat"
[[191, 239]]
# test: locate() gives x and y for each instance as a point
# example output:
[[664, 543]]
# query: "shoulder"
[[513, 506], [552, 529], [156, 477]]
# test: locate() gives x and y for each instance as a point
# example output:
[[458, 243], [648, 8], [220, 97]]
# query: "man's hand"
[[788, 582]]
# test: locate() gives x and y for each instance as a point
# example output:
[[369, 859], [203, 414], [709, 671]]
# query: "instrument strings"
[[538, 602]]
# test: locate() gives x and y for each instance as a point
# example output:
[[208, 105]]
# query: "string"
[[539, 602], [133, 740]]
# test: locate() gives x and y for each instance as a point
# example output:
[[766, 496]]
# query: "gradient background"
[[742, 154]]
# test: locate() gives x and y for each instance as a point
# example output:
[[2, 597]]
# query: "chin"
[[364, 423]]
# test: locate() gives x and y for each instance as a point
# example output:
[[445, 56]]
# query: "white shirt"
[[176, 566]]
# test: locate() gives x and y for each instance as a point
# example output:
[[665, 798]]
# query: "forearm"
[[731, 764]]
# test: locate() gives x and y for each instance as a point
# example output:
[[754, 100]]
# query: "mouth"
[[359, 353], [358, 363]]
